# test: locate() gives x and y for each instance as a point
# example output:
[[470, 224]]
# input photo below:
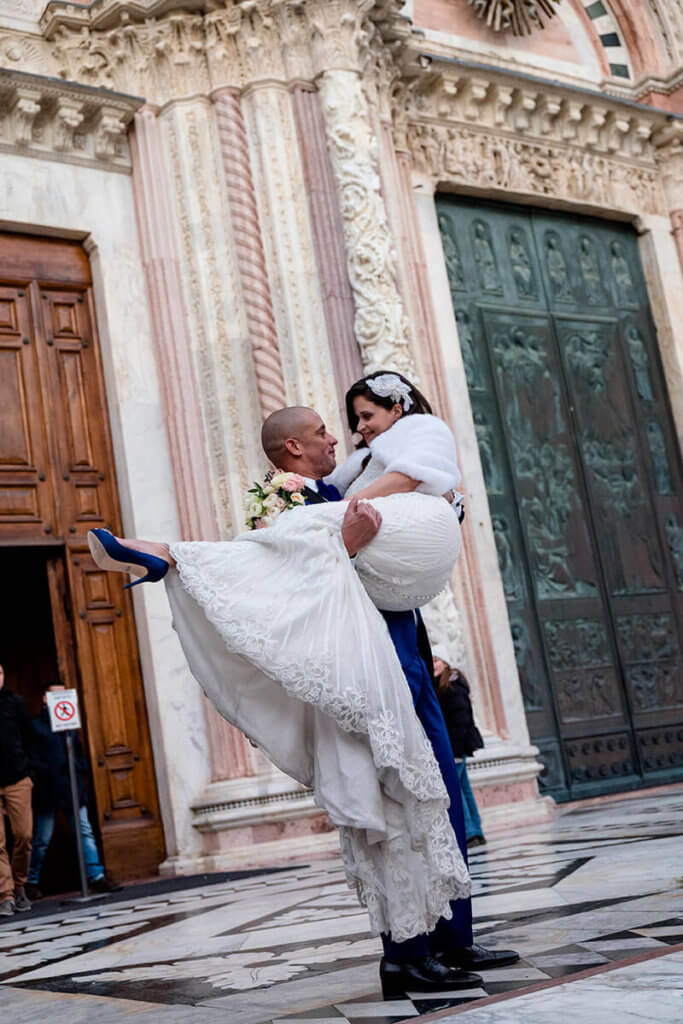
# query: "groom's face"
[[317, 446]]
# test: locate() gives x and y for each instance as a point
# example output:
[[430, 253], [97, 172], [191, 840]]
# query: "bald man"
[[296, 440]]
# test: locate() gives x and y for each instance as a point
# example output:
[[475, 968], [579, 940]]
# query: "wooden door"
[[584, 483], [57, 481]]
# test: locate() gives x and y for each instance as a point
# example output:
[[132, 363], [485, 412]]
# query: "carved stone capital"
[[339, 34], [158, 59]]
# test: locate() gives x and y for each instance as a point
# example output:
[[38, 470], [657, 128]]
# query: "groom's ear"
[[294, 446]]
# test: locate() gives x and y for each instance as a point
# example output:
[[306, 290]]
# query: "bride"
[[282, 630]]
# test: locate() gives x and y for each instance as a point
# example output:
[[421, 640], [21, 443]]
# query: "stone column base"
[[262, 821], [503, 777], [272, 821]]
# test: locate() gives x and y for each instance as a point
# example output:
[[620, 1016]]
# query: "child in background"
[[453, 692]]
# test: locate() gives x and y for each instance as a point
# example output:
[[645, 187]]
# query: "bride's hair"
[[410, 398]]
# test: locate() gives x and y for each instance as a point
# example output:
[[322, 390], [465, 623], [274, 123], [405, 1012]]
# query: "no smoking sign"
[[62, 706]]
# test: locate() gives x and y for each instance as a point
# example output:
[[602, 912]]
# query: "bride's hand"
[[360, 524]]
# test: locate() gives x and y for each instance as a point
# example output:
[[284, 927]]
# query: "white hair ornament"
[[388, 385]]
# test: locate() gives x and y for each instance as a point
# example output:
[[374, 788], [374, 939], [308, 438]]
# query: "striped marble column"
[[249, 250], [229, 754], [328, 235]]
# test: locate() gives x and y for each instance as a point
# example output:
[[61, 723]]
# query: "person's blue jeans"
[[473, 826], [43, 828], [457, 932]]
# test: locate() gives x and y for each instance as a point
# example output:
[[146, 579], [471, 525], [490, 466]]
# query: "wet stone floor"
[[593, 902]]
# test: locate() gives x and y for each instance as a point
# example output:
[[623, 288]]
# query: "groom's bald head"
[[296, 439]]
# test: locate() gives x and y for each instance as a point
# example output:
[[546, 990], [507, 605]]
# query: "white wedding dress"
[[288, 645]]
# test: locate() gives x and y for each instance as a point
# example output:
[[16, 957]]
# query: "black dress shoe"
[[424, 975], [478, 957]]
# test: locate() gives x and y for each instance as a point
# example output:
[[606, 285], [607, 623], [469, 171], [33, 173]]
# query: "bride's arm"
[[389, 483], [417, 454]]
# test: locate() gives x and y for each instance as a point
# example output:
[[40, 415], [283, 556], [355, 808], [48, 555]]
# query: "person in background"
[[15, 798], [52, 794], [453, 692]]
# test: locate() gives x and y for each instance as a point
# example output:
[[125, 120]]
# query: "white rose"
[[274, 503], [252, 506]]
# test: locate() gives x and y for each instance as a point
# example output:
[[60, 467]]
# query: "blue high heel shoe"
[[115, 557]]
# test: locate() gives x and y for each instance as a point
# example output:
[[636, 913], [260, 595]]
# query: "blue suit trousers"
[[403, 628]]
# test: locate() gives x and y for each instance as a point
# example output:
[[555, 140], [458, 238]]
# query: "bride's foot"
[[145, 559], [150, 547]]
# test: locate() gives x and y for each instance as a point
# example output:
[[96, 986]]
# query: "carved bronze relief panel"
[[584, 483]]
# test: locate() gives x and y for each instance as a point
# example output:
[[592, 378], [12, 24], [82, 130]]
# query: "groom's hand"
[[360, 524]]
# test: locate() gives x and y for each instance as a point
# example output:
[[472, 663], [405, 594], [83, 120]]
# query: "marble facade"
[[254, 181]]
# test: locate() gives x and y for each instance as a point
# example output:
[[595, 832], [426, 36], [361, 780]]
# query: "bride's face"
[[374, 419]]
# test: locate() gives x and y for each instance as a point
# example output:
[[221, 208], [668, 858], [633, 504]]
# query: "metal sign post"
[[76, 810], [62, 706]]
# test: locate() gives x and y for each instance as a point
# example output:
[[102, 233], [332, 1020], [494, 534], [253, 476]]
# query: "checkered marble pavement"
[[597, 886]]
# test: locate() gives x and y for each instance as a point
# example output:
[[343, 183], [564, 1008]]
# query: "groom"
[[297, 441]]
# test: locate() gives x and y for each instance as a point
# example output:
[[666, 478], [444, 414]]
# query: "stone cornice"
[[45, 117], [106, 14], [168, 48]]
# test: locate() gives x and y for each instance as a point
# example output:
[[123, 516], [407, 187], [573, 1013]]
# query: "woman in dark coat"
[[453, 692]]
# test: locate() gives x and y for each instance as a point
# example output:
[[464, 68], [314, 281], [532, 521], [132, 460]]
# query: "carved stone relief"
[[660, 458], [640, 363], [473, 371], [590, 272], [454, 268], [674, 537], [646, 637], [623, 278], [588, 353], [520, 261], [509, 566], [485, 259], [444, 626], [546, 472], [465, 156], [493, 476], [654, 686], [528, 676], [575, 643], [615, 474], [587, 696], [557, 268]]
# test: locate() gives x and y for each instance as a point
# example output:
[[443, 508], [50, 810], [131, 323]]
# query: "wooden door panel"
[[85, 481], [26, 500], [62, 622], [114, 705], [57, 480]]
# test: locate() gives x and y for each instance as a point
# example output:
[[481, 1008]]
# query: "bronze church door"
[[584, 485], [57, 480]]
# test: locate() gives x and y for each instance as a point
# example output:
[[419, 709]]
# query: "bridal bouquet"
[[278, 492]]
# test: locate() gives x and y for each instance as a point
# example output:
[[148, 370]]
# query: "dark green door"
[[583, 477]]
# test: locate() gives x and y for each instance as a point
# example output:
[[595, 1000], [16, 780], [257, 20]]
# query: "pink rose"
[[294, 482]]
